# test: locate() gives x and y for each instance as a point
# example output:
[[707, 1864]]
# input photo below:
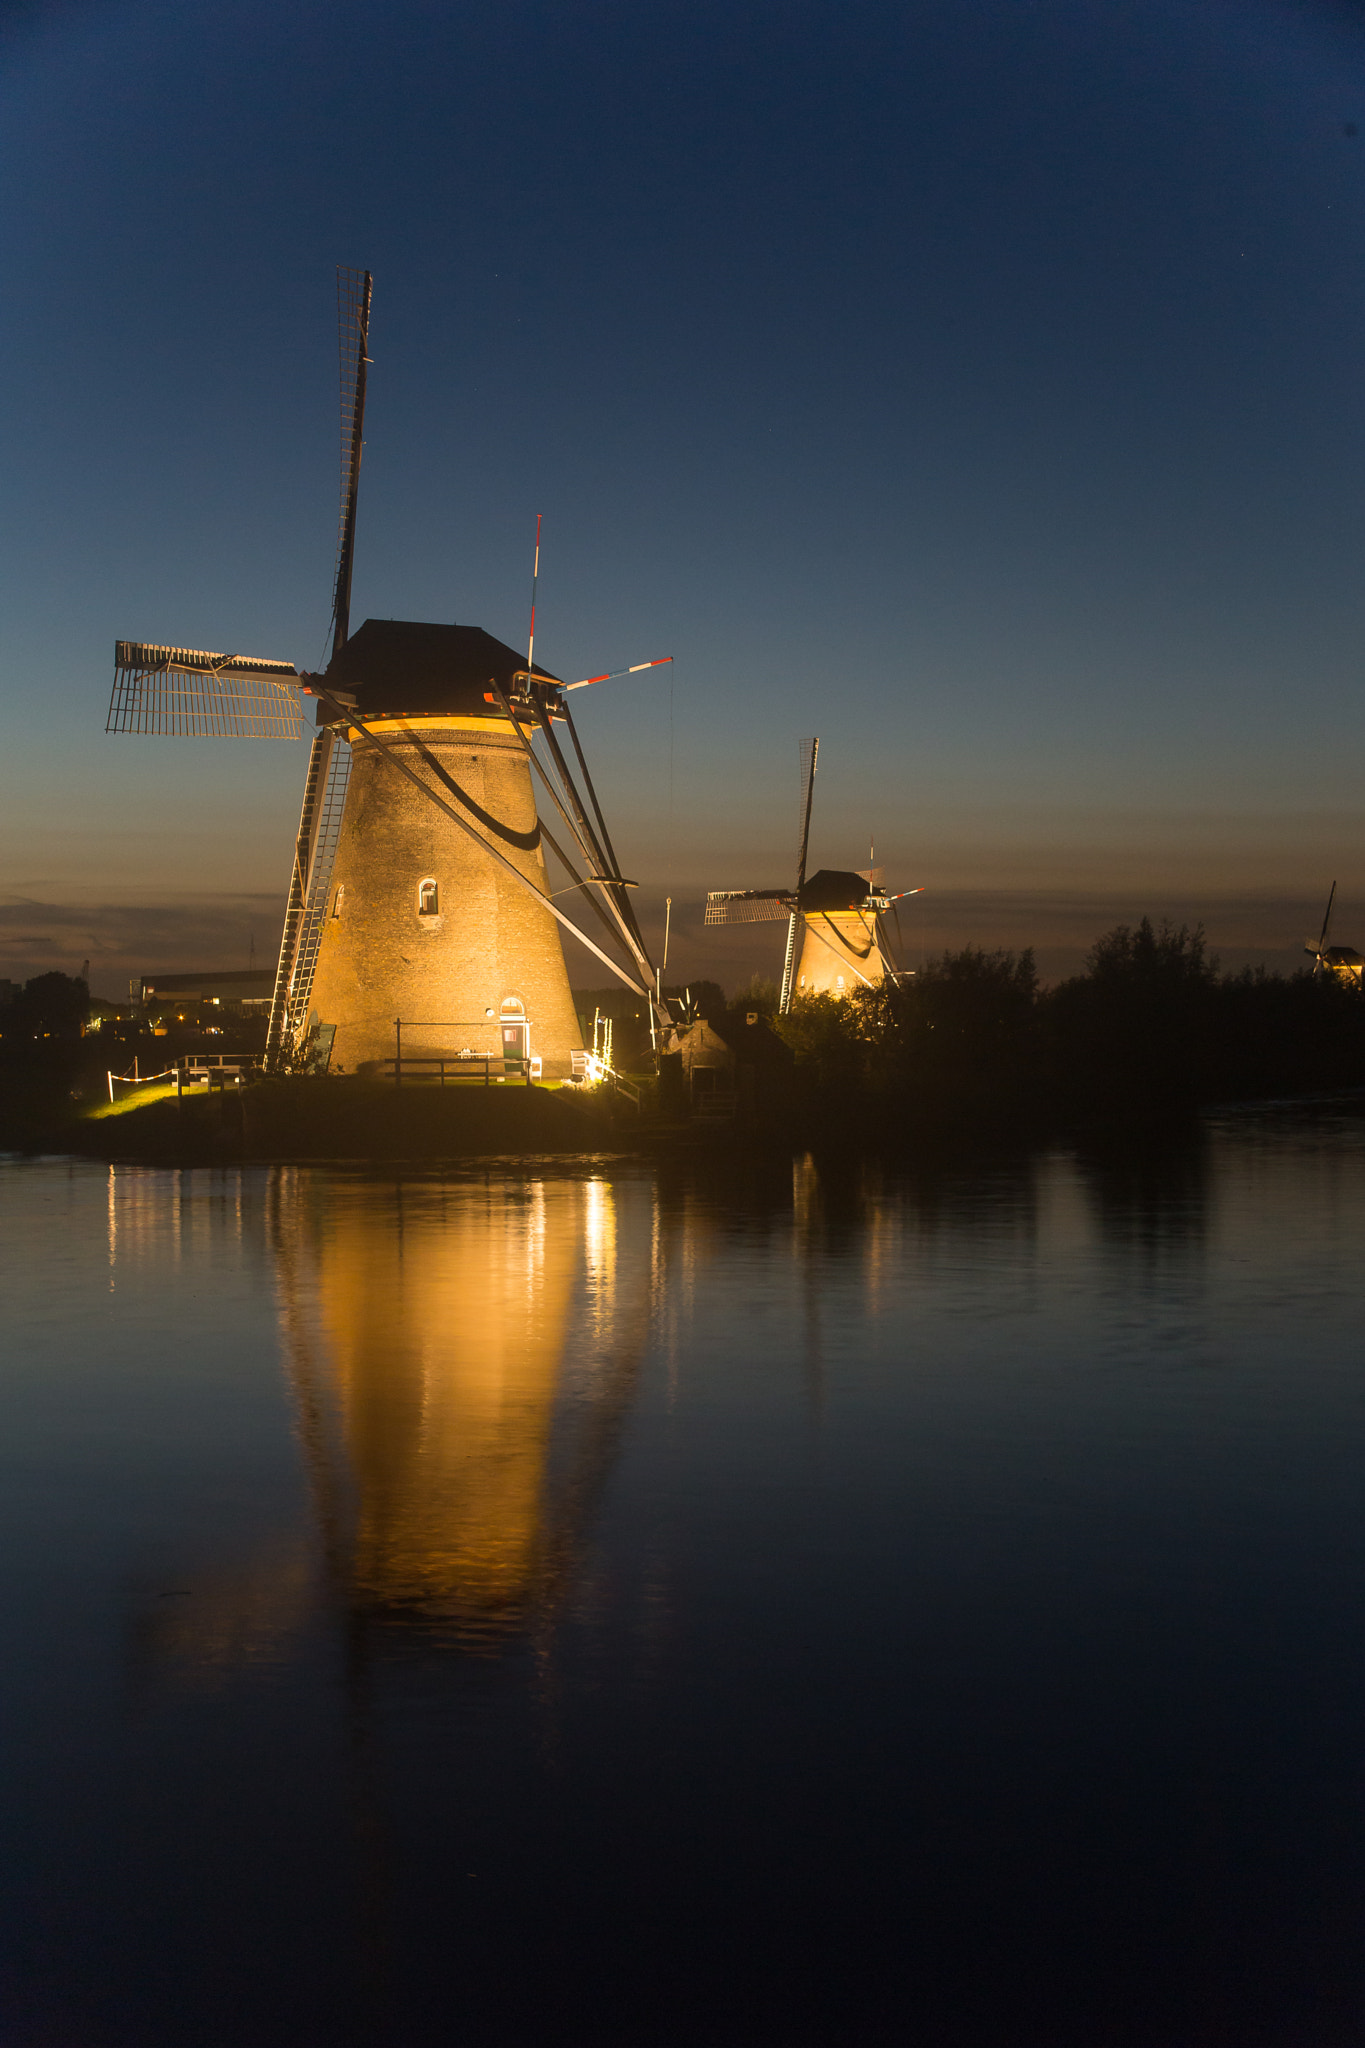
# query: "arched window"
[[428, 898], [839, 981], [338, 899]]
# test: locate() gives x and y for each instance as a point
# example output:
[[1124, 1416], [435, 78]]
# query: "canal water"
[[708, 1605]]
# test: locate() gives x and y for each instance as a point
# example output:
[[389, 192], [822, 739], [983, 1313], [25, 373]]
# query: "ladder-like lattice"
[[353, 331], [190, 692], [319, 885]]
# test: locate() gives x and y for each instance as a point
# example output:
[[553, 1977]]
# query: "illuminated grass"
[[134, 1097]]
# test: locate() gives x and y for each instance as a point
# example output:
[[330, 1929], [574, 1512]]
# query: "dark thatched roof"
[[834, 889], [397, 666]]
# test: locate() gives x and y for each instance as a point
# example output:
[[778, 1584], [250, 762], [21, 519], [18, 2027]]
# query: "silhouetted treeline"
[[49, 1006], [1150, 1027]]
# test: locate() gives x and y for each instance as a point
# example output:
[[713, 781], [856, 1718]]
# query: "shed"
[[735, 1067]]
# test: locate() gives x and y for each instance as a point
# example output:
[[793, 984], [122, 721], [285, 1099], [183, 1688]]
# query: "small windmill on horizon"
[[836, 913], [1341, 961], [420, 910]]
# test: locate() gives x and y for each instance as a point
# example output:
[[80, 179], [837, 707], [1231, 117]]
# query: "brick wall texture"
[[380, 958]]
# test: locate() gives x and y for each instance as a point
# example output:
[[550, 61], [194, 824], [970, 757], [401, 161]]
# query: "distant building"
[[735, 1068], [187, 998]]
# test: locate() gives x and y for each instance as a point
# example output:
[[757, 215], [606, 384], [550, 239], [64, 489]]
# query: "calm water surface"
[[687, 1605]]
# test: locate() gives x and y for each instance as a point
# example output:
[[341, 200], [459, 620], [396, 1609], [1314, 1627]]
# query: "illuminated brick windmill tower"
[[836, 940], [420, 919]]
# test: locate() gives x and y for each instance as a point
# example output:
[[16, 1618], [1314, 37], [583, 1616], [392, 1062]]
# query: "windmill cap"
[[402, 666], [834, 889]]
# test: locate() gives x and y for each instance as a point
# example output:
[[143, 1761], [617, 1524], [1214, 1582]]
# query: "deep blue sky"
[[979, 386]]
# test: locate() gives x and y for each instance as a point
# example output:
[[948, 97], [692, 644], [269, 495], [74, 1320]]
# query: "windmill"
[[420, 922], [836, 913], [1343, 962]]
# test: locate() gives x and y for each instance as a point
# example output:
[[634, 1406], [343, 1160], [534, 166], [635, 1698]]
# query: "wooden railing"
[[215, 1069], [440, 1067], [458, 1065]]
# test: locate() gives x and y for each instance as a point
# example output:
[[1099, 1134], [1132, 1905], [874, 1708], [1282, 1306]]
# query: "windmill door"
[[513, 1048]]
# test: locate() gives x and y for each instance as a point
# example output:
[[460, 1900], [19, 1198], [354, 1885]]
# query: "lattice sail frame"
[[748, 906], [189, 693], [353, 332], [300, 989]]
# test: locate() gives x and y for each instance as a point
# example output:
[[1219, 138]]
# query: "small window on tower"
[[428, 899], [338, 899], [839, 980]]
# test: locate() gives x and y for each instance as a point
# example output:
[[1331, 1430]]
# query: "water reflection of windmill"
[[456, 1449], [836, 913], [1343, 962], [419, 888]]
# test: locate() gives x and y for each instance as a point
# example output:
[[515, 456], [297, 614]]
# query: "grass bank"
[[301, 1119]]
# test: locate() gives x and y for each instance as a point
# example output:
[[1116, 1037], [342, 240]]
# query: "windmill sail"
[[319, 825], [191, 693], [747, 906], [810, 754], [327, 830], [354, 289], [1319, 951], [329, 766]]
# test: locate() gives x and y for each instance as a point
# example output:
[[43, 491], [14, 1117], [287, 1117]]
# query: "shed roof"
[[403, 665], [748, 1044]]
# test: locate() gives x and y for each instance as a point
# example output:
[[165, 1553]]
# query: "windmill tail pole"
[[585, 851], [614, 866], [588, 851], [621, 903], [589, 848], [625, 908], [625, 915]]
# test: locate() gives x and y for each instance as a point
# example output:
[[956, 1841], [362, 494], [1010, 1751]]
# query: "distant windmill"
[[1341, 961], [836, 912], [419, 894]]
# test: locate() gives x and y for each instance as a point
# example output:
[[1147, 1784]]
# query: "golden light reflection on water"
[[446, 1347], [450, 1438], [462, 1354]]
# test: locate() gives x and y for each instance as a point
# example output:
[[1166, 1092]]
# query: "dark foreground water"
[[753, 1605]]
